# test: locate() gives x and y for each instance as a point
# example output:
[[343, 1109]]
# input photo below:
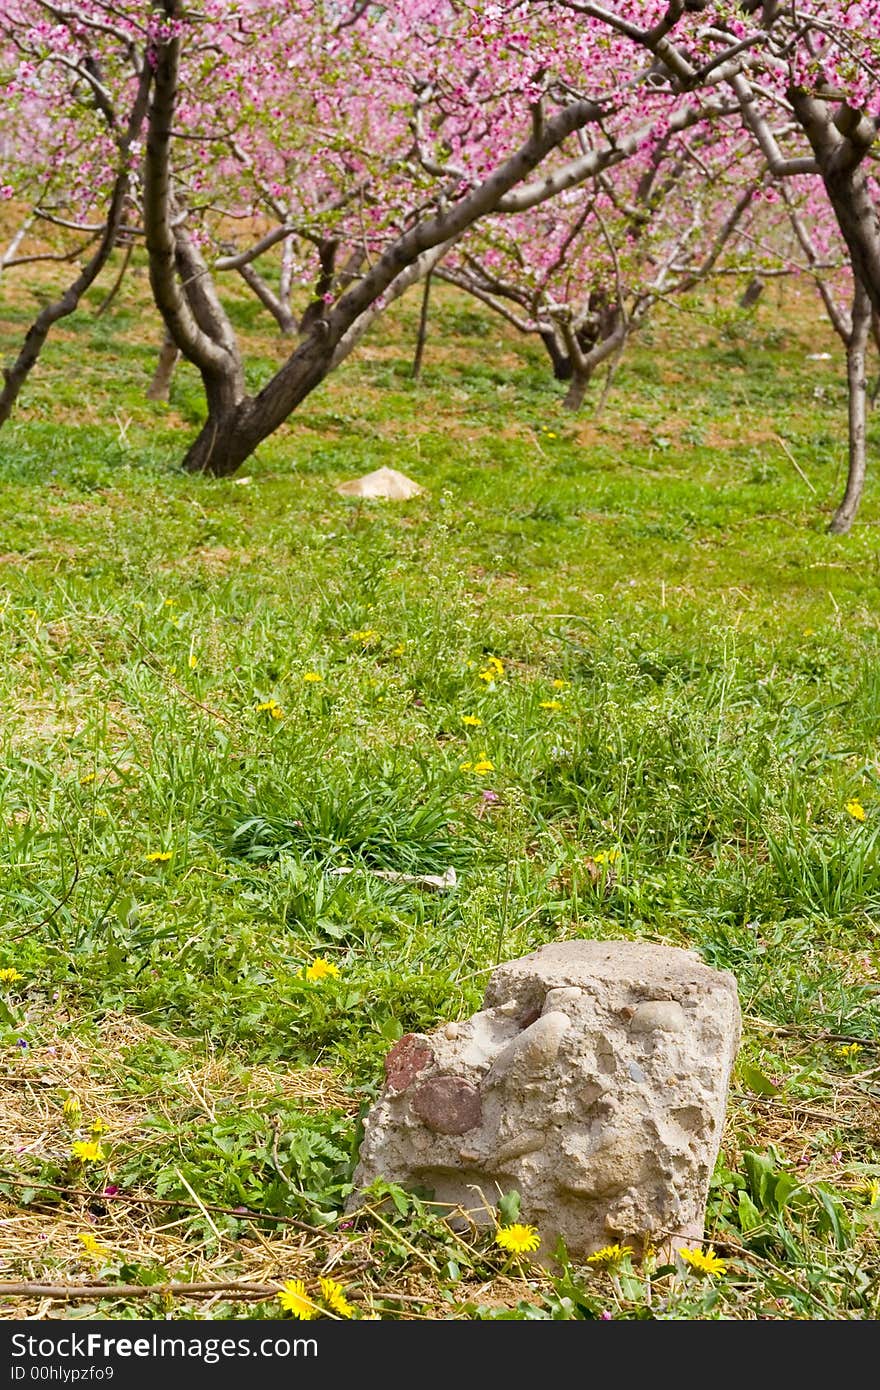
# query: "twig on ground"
[[793, 461], [76, 1291], [107, 1199]]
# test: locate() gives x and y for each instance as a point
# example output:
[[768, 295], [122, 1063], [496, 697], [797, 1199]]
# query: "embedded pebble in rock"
[[409, 1055], [593, 1082], [447, 1104]]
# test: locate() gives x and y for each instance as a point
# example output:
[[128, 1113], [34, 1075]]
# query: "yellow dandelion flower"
[[560, 684], [399, 649], [89, 777], [321, 969], [9, 975], [72, 1109], [517, 1239], [493, 671], [550, 704], [606, 856], [551, 434], [272, 708], [293, 1299], [366, 636], [482, 765], [99, 1126], [92, 1246], [312, 677], [159, 856], [855, 809], [471, 721], [704, 1261], [871, 1190], [609, 1256], [333, 1295], [87, 1151]]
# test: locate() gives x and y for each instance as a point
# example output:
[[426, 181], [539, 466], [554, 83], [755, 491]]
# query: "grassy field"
[[215, 693]]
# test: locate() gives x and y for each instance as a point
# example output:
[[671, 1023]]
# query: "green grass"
[[720, 706]]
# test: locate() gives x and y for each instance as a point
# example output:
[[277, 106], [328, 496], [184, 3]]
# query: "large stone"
[[383, 482], [593, 1082]]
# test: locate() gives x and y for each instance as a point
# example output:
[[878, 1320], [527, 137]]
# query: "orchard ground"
[[215, 693]]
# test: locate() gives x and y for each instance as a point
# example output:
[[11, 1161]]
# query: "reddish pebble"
[[448, 1104], [409, 1055]]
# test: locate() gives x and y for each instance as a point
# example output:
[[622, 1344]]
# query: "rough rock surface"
[[593, 1082]]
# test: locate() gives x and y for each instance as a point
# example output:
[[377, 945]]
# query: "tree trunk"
[[12, 248], [858, 220], [317, 309], [285, 278], [160, 387], [222, 444], [577, 390], [226, 439], [752, 292], [237, 425], [858, 408], [842, 161], [277, 307], [422, 337], [14, 377], [557, 354], [117, 283]]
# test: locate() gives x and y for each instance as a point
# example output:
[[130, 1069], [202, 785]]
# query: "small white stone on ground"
[[593, 1082]]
